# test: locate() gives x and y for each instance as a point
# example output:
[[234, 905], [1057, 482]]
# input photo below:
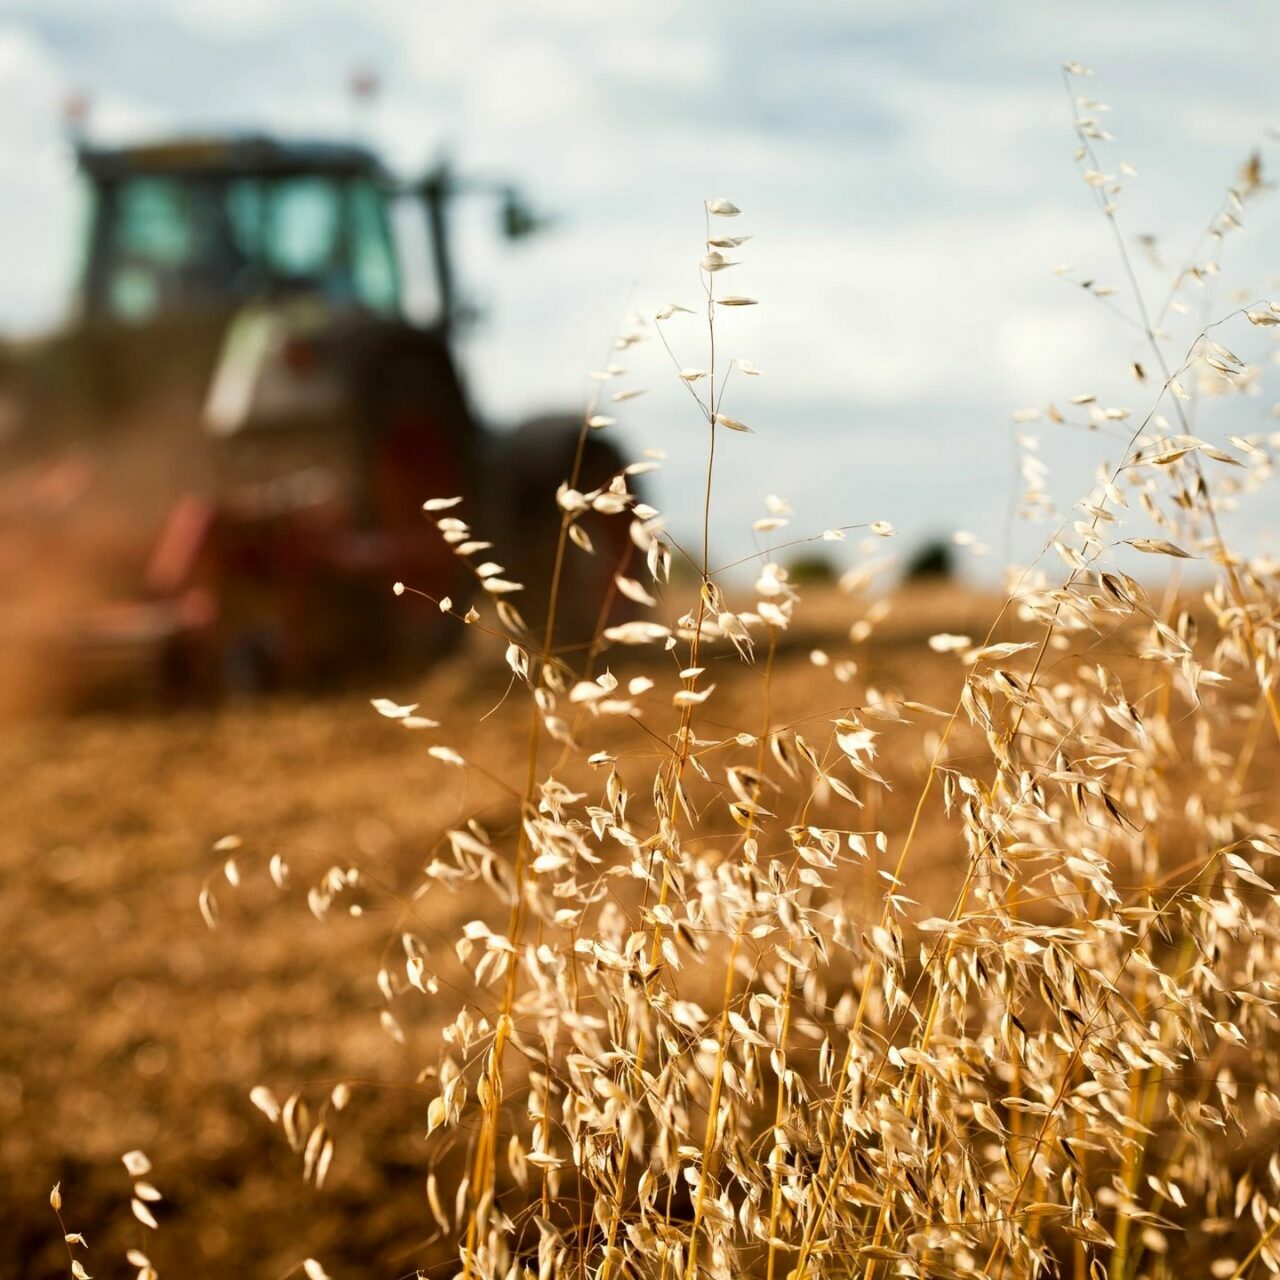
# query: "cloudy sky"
[[906, 171]]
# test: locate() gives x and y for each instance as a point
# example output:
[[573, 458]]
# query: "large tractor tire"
[[422, 444], [527, 468]]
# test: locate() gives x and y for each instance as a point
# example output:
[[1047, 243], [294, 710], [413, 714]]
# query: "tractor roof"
[[229, 157]]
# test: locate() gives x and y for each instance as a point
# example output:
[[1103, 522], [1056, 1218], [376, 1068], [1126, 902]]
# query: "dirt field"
[[128, 1024]]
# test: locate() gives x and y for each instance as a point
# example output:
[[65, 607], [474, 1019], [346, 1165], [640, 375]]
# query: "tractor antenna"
[[75, 117], [363, 86]]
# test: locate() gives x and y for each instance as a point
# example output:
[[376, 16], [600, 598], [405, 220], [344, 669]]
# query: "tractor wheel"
[[420, 443], [529, 467]]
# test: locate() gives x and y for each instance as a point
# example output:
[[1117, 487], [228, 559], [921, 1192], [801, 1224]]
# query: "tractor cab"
[[183, 237], [203, 227]]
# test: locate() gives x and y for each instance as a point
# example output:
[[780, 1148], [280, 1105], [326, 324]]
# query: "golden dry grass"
[[128, 1024]]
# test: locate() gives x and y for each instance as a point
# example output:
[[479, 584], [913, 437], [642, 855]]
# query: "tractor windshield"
[[169, 243]]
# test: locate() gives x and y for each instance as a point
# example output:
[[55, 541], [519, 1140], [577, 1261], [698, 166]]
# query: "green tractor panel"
[[214, 473]]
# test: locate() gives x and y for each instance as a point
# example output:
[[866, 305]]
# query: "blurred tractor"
[[212, 476]]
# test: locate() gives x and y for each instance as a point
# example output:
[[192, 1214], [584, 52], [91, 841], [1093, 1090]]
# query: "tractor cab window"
[[324, 234], [167, 246], [373, 259], [301, 233]]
